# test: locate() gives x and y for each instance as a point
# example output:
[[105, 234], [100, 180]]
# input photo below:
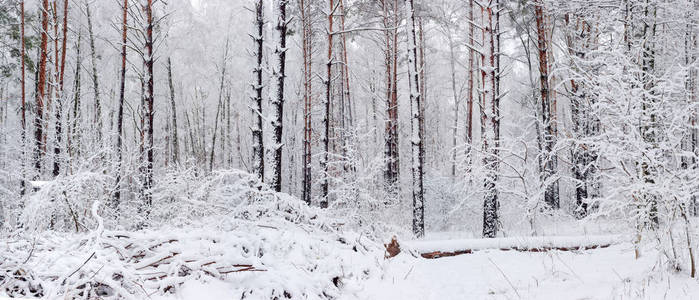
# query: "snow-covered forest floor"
[[275, 247], [610, 273]]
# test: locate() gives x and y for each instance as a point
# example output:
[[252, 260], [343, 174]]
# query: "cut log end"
[[392, 248]]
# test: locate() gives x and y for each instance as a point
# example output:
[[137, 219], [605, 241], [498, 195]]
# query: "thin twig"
[[78, 269], [508, 280]]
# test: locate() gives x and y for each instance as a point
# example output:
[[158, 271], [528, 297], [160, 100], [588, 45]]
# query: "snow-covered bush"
[[262, 244], [64, 204]]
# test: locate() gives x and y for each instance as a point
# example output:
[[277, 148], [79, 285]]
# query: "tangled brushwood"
[[255, 248]]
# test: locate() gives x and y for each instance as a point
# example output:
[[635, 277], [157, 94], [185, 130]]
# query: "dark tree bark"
[[417, 122], [59, 105], [258, 155], [73, 138], [649, 105], [583, 155], [23, 183], [218, 107], [324, 163], [278, 101], [173, 107], [305, 9], [120, 116]]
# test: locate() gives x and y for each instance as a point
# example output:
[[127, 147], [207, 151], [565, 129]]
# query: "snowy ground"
[[611, 273]]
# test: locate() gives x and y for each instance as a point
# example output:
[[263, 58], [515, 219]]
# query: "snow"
[[610, 273]]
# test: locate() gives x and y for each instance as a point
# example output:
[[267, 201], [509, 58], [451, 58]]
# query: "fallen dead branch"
[[437, 249]]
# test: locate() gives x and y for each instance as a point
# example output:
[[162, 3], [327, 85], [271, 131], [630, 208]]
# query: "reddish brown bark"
[[439, 254], [41, 88], [390, 16], [551, 193]]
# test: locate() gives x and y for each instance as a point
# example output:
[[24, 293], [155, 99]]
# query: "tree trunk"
[[258, 155], [305, 9], [417, 124], [41, 86], [649, 117], [392, 171], [23, 183], [95, 76], [278, 100], [490, 136], [471, 70], [551, 193], [58, 127], [173, 107], [148, 63], [324, 163], [73, 135], [218, 107], [120, 117]]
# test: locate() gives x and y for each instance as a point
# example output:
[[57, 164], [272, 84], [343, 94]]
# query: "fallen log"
[[447, 248]]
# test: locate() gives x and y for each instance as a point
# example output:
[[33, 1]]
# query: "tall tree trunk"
[[73, 138], [649, 105], [551, 193], [258, 155], [39, 152], [95, 76], [120, 117], [471, 71], [455, 94], [23, 183], [173, 107], [417, 122], [693, 79], [392, 171], [58, 128], [490, 136], [278, 100], [584, 123], [148, 63], [324, 163], [307, 36], [218, 107]]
